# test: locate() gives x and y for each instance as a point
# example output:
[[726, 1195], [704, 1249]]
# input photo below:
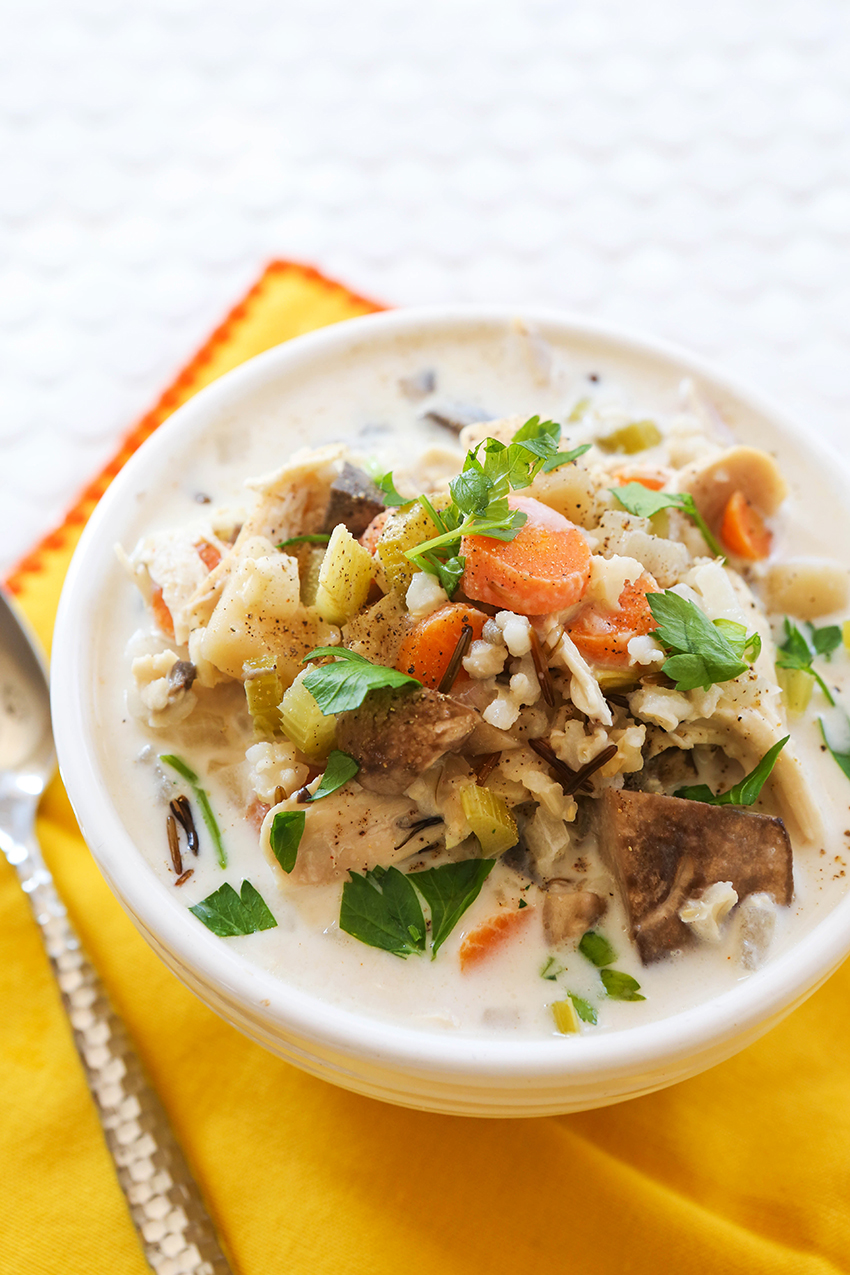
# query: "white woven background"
[[672, 165]]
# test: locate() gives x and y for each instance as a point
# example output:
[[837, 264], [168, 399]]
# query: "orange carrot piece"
[[429, 646], [208, 554], [650, 478], [372, 534], [603, 636], [161, 613], [743, 531], [487, 937], [544, 568]]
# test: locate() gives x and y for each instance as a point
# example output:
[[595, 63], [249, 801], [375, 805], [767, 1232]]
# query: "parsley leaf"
[[797, 651], [185, 772], [838, 738], [228, 914], [344, 685], [339, 769], [392, 498], [597, 949], [583, 1008], [551, 968], [642, 502], [381, 908], [449, 890], [285, 836], [479, 504], [744, 793], [620, 986], [702, 652], [314, 538]]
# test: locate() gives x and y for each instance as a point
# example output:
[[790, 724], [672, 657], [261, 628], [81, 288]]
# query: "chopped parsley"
[[799, 650], [314, 538], [744, 793], [339, 769], [551, 968], [583, 1008], [700, 651], [381, 908], [392, 498], [285, 836], [344, 685], [229, 914], [597, 949], [644, 503], [620, 987]]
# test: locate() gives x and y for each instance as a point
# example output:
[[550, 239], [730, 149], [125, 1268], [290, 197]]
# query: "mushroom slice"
[[569, 912]]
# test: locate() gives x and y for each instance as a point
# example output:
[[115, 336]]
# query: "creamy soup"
[[606, 659]]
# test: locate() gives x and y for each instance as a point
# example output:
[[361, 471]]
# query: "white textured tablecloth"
[[675, 166]]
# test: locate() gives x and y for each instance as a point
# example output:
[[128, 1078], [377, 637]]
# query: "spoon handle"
[[174, 1228]]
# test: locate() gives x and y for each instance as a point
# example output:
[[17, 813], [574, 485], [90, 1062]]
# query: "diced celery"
[[796, 688], [263, 691], [845, 633], [566, 1019], [632, 438], [404, 529], [344, 577], [309, 565], [616, 679], [312, 732], [489, 818]]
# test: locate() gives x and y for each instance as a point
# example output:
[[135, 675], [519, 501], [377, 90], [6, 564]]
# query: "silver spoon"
[[174, 1228]]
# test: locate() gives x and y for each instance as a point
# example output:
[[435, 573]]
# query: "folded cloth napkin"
[[744, 1169]]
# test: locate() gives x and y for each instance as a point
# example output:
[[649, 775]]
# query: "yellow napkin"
[[745, 1169]]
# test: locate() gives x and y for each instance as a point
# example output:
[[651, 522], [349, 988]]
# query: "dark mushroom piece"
[[354, 501], [397, 735], [569, 911], [664, 850]]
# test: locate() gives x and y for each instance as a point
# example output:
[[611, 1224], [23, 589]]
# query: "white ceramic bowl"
[[436, 1072]]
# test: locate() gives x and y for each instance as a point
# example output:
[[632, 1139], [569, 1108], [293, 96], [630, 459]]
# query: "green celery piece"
[[839, 748], [746, 791], [229, 914], [177, 763]]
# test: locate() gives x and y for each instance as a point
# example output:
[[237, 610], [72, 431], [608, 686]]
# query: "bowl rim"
[[747, 1007]]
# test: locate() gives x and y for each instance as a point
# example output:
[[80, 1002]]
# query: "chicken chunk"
[[665, 850], [397, 735]]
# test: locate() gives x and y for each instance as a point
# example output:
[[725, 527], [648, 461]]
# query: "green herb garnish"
[[839, 748], [392, 498], [551, 968], [449, 890], [744, 793], [798, 650], [597, 949], [339, 769], [344, 685], [314, 538], [229, 914], [382, 909], [177, 763], [479, 495], [583, 1008], [642, 502], [620, 986], [701, 651], [285, 836]]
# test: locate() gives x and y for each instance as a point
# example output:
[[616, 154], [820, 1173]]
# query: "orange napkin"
[[744, 1169]]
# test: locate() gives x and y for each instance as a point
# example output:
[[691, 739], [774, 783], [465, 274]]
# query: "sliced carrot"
[[208, 554], [161, 613], [544, 568], [743, 531], [372, 534], [487, 937], [651, 478], [603, 635], [429, 646]]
